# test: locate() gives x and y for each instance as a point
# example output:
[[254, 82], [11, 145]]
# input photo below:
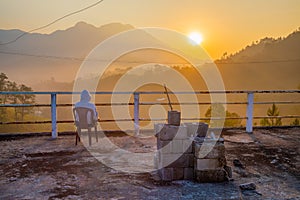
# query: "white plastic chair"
[[84, 119]]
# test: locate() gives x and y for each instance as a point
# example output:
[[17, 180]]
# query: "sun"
[[196, 37]]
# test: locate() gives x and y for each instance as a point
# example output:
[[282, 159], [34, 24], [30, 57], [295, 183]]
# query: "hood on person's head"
[[85, 96]]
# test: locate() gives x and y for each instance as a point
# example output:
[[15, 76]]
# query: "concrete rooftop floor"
[[41, 168]]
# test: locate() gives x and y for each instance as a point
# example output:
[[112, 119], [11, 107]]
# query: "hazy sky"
[[227, 25]]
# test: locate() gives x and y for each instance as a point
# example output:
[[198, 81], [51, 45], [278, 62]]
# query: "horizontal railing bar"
[[150, 103], [62, 121], [115, 120], [136, 117], [223, 92], [191, 103], [213, 118], [278, 102], [27, 122], [97, 104], [61, 105], [201, 118], [275, 117], [155, 119], [25, 105], [114, 104], [154, 92], [119, 104]]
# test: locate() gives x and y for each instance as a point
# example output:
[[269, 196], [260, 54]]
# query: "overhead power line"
[[53, 22], [42, 56], [80, 59]]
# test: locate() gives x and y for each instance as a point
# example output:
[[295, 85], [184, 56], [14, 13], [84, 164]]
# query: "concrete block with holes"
[[184, 153]]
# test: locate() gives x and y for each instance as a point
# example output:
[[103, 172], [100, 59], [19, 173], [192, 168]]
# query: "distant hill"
[[39, 59], [75, 42], [266, 64], [270, 49]]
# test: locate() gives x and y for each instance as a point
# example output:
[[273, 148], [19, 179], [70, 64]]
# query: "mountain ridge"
[[268, 47], [77, 41]]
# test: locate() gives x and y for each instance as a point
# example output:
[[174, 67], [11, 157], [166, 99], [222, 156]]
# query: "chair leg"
[[78, 131], [76, 138], [90, 138], [96, 133]]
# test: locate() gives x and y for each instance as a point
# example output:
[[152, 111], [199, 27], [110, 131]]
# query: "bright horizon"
[[226, 26]]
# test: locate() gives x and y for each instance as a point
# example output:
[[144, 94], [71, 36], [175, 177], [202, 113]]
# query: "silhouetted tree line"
[[273, 113], [19, 112], [218, 110]]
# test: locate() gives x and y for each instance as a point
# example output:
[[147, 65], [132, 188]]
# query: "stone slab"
[[157, 128], [164, 146], [209, 150], [155, 160], [188, 173], [170, 132], [206, 164], [187, 146], [166, 174], [178, 173], [207, 176], [176, 160], [197, 129], [177, 146]]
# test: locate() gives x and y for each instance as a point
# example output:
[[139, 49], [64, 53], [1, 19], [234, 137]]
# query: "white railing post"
[[53, 115], [136, 113], [249, 125]]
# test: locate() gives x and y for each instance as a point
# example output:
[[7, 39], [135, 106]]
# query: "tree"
[[215, 110], [13, 99], [232, 122], [273, 113], [218, 110], [295, 122], [25, 99], [3, 82], [6, 85]]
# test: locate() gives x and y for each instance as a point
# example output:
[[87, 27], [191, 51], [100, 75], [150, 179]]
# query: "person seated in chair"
[[84, 102]]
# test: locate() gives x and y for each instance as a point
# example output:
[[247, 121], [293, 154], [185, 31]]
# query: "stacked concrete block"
[[210, 161], [187, 152], [175, 158], [197, 129]]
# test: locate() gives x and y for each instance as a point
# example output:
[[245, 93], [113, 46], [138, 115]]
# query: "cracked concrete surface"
[[40, 168]]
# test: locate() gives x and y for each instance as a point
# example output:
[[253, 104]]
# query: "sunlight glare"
[[196, 37]]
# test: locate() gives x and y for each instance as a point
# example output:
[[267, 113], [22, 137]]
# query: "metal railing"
[[136, 104]]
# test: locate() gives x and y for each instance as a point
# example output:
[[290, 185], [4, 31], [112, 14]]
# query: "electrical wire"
[[80, 59], [105, 60], [53, 22]]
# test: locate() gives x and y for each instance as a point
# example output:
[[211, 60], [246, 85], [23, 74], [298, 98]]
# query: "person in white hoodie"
[[84, 102]]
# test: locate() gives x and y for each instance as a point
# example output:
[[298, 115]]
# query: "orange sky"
[[227, 26]]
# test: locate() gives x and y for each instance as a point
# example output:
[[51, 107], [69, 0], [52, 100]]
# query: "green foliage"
[[21, 112], [232, 122], [218, 110], [273, 111], [264, 122], [296, 122], [3, 81]]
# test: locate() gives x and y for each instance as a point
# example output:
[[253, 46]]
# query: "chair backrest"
[[83, 117]]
